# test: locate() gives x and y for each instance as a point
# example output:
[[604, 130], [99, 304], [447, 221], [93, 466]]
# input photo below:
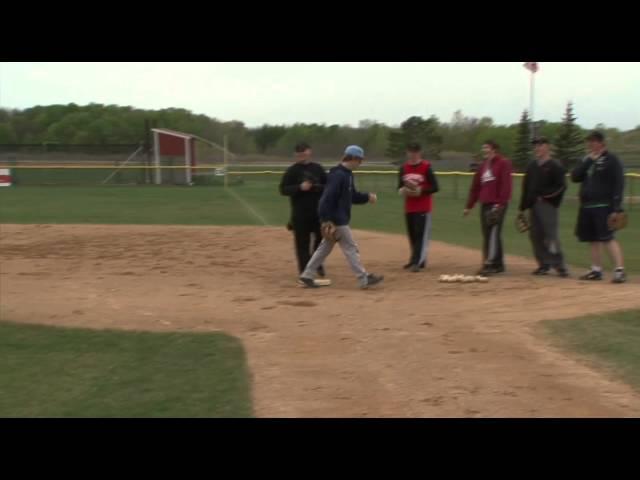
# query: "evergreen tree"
[[523, 149], [569, 146]]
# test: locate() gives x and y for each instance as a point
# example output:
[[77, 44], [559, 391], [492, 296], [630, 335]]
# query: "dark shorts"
[[592, 224]]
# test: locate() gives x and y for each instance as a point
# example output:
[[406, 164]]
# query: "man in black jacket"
[[543, 188], [601, 194], [303, 183]]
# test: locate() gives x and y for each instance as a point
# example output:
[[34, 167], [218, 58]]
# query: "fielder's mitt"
[[617, 221], [493, 216], [410, 189], [522, 223], [328, 230]]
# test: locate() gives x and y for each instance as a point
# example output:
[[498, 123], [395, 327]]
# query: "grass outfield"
[[212, 205], [61, 372], [608, 341]]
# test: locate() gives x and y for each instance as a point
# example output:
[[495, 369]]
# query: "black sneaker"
[[490, 270], [307, 283], [415, 268], [592, 275], [408, 266], [562, 272], [540, 271], [321, 272], [372, 279], [423, 265], [619, 277]]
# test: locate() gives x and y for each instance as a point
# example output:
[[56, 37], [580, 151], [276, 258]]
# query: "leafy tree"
[[267, 136], [7, 135], [416, 129]]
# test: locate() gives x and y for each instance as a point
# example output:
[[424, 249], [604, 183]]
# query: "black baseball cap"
[[302, 147], [493, 144], [595, 136], [414, 147], [540, 141]]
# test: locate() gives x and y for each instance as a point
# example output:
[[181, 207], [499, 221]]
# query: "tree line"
[[98, 124]]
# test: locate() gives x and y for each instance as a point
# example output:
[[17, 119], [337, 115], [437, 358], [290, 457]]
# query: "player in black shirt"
[[543, 188], [601, 176], [303, 183]]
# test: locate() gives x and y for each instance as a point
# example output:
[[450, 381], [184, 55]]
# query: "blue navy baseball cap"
[[354, 151]]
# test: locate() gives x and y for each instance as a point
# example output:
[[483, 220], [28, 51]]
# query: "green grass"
[[610, 341], [212, 205], [60, 372]]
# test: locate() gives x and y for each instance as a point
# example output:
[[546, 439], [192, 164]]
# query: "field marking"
[[247, 206]]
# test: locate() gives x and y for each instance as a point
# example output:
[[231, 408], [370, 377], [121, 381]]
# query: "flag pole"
[[531, 93]]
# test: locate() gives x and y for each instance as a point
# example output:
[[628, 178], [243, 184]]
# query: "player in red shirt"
[[417, 183]]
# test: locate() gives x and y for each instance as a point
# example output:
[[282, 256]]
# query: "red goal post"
[[175, 159]]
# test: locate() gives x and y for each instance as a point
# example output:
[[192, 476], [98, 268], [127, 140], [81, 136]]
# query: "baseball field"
[[182, 301]]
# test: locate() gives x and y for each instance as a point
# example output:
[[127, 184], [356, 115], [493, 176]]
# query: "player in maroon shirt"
[[491, 187]]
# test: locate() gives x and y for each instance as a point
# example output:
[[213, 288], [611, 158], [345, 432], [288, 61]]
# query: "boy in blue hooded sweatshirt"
[[335, 208]]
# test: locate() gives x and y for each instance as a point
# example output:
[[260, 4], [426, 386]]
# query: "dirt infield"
[[412, 347]]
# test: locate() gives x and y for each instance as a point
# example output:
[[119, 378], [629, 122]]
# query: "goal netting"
[[186, 159]]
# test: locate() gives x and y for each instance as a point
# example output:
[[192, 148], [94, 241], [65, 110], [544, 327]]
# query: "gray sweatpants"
[[544, 235], [349, 248]]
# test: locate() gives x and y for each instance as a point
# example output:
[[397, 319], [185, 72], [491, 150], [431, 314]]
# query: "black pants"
[[419, 231], [304, 229], [492, 252]]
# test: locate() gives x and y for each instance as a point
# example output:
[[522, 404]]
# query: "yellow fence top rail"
[[240, 172]]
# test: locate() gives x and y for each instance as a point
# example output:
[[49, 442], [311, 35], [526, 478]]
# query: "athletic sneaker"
[[415, 268], [484, 271], [592, 275], [321, 272], [423, 265], [619, 276], [408, 266], [307, 283], [541, 271], [372, 279], [562, 272]]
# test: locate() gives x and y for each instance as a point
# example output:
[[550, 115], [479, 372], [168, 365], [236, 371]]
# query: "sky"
[[336, 93]]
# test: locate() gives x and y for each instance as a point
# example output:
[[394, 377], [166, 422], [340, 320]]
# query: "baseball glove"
[[410, 189], [493, 216], [328, 230], [522, 223], [617, 221]]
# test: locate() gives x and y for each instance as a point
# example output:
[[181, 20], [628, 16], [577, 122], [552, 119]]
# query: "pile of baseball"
[[463, 279]]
